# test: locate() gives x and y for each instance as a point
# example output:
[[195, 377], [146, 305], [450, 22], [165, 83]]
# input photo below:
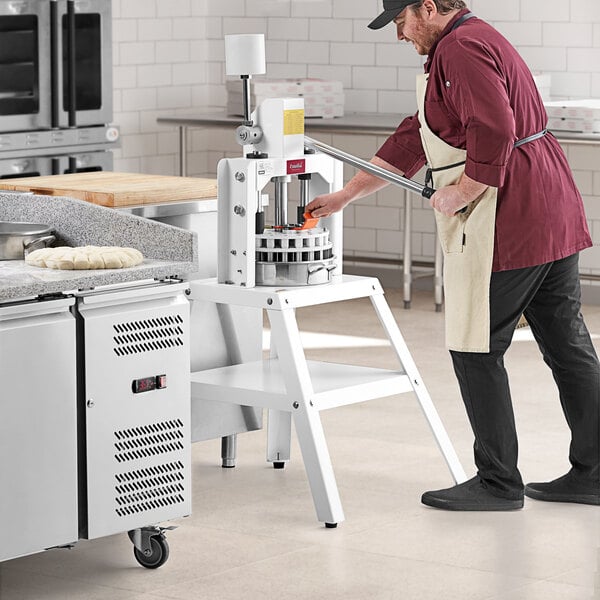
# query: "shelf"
[[261, 384]]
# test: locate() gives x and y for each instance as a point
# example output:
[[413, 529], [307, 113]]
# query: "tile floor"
[[253, 533]]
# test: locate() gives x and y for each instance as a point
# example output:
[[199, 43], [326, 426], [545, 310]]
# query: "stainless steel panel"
[[137, 444], [25, 167], [101, 11], [183, 211], [61, 140], [25, 107], [86, 161], [38, 423], [221, 335], [32, 166]]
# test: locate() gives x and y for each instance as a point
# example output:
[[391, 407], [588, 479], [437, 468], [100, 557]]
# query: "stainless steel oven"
[[55, 64], [57, 164]]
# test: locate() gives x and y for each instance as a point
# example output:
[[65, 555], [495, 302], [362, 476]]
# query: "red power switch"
[[161, 382]]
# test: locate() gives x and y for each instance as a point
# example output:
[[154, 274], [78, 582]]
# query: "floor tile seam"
[[161, 594], [392, 520], [24, 571], [535, 582], [264, 536], [531, 580], [553, 579], [69, 579]]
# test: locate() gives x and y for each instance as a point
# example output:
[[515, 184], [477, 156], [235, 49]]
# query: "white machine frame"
[[241, 182]]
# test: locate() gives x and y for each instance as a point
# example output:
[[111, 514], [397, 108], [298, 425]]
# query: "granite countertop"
[[168, 251]]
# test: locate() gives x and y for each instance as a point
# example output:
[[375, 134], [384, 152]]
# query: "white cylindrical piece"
[[245, 54]]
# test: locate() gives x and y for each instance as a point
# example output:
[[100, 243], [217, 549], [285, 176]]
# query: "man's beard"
[[427, 34]]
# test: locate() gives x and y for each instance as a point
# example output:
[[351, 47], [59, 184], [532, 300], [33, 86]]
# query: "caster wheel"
[[331, 525], [278, 465], [158, 555], [407, 304]]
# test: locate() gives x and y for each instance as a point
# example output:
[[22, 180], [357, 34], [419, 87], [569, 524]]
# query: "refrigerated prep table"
[[95, 414]]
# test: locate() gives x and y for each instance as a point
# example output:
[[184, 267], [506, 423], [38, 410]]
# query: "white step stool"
[[293, 388]]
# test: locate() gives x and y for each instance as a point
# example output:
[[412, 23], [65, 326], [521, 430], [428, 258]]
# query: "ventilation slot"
[[147, 489], [148, 335], [148, 441]]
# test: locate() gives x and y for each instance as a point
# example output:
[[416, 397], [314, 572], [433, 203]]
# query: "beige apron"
[[467, 240]]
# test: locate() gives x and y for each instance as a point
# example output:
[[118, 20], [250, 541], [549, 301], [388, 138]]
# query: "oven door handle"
[[71, 68], [55, 57]]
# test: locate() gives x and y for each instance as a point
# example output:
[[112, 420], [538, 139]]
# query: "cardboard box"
[[588, 110], [322, 98], [574, 125]]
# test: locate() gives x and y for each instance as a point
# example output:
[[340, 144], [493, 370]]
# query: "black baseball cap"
[[391, 9]]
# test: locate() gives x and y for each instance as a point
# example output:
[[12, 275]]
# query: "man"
[[511, 223]]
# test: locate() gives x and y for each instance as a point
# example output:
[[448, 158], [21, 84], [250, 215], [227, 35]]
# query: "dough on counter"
[[85, 257]]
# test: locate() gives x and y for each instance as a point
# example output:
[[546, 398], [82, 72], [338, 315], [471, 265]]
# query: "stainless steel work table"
[[355, 124]]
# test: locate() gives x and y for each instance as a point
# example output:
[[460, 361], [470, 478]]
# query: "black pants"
[[550, 297]]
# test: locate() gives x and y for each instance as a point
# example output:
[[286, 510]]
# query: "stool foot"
[[407, 304], [331, 525], [438, 308], [278, 465]]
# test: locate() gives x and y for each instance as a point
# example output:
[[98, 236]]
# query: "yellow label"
[[293, 121]]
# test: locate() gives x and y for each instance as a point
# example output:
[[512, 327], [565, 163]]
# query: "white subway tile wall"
[[169, 60]]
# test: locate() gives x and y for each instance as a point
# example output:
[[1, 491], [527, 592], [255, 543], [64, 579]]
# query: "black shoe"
[[470, 495], [567, 488]]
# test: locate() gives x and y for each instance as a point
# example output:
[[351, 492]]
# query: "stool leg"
[[279, 432], [307, 421], [318, 465], [439, 432], [228, 451]]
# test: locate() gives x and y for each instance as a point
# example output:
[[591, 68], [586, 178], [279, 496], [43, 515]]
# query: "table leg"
[[438, 277], [182, 150], [407, 257]]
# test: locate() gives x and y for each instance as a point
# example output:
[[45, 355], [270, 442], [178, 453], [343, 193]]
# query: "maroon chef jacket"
[[481, 97]]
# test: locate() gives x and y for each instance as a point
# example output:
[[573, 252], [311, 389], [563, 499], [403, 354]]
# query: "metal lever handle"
[[363, 165]]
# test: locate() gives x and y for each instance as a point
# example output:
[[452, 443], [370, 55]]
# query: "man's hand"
[[327, 204], [448, 200], [451, 199]]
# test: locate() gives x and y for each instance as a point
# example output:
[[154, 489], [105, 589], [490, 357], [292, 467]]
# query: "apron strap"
[[464, 18], [430, 171], [530, 138]]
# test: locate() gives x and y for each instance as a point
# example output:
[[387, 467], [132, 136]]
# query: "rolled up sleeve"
[[403, 149], [478, 96]]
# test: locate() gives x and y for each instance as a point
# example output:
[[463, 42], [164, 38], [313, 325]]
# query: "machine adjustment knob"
[[246, 134], [90, 403]]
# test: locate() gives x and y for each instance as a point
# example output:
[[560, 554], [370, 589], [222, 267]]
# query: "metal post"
[[228, 451], [281, 200], [183, 150], [438, 276], [407, 259], [246, 98]]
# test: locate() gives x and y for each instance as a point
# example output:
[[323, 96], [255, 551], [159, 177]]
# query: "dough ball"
[[85, 257]]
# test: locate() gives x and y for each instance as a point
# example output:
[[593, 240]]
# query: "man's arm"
[[452, 198], [361, 185]]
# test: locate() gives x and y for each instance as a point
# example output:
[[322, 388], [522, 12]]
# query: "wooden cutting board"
[[117, 189]]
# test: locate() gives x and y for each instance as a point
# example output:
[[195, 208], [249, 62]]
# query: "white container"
[[245, 54]]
